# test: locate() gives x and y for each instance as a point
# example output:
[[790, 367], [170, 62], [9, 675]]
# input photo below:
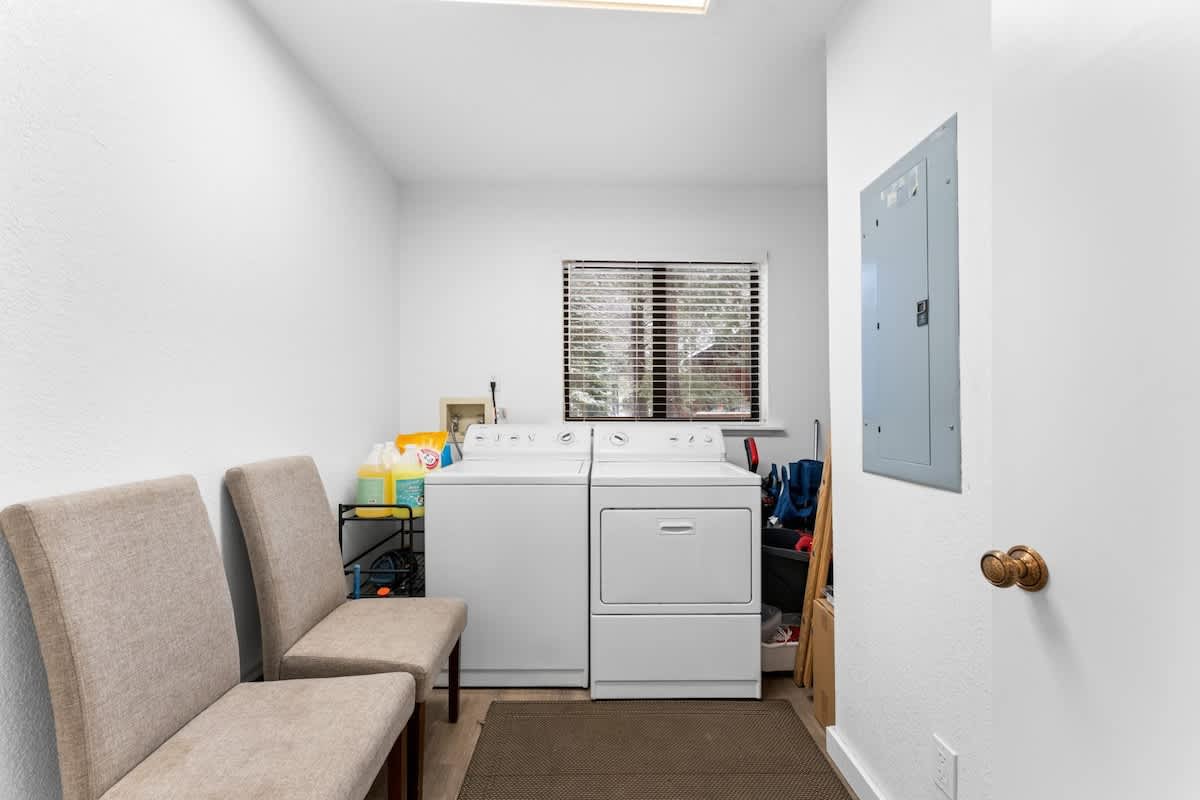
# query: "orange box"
[[824, 705]]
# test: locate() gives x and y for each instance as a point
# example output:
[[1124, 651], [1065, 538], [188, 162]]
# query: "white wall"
[[913, 618], [483, 278], [191, 253]]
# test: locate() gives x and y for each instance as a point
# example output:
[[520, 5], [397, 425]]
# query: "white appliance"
[[675, 554], [506, 529]]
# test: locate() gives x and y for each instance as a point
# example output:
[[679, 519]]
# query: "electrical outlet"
[[945, 768]]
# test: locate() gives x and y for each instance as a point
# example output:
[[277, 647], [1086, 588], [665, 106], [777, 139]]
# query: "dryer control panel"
[[567, 440], [659, 441]]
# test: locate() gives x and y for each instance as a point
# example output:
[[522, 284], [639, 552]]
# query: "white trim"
[[767, 426], [764, 342], [850, 765], [669, 6]]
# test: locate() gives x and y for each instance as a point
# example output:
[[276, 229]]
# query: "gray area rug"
[[635, 750]]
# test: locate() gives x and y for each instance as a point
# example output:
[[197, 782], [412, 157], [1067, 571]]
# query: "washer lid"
[[509, 472], [672, 473]]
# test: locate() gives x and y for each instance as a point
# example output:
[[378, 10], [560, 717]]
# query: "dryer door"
[[676, 556]]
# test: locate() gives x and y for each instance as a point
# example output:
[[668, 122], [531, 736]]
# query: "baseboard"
[[851, 766]]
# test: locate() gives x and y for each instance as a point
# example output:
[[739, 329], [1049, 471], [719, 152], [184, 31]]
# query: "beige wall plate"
[[468, 410]]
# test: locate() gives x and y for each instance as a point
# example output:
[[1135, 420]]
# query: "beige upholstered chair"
[[309, 628], [136, 629]]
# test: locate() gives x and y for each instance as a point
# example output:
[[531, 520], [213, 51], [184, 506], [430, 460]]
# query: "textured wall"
[[913, 616], [191, 250]]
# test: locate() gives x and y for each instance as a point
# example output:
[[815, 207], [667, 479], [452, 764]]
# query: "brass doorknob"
[[1021, 565]]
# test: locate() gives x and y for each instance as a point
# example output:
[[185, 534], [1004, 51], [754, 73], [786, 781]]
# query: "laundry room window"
[[662, 341]]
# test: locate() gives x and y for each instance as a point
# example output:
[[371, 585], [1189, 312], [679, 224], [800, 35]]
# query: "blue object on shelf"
[[771, 485], [800, 482]]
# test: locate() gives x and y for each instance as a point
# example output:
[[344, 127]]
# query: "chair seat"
[[300, 740], [399, 634]]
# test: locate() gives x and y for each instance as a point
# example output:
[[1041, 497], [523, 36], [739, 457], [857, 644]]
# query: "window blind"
[[669, 341]]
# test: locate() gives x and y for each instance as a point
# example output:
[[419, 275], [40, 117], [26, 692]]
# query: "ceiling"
[[499, 93]]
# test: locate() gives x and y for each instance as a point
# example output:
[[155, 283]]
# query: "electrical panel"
[[910, 316]]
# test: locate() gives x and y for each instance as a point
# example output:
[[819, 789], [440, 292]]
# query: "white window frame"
[[765, 423]]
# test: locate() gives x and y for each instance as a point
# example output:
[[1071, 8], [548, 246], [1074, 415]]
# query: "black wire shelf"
[[407, 581]]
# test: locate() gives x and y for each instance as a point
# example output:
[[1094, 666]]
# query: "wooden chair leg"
[[415, 748], [455, 670], [397, 768]]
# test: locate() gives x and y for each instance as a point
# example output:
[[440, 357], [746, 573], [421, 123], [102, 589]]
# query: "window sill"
[[767, 428]]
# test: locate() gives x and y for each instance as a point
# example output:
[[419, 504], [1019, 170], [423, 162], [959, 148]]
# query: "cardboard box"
[[824, 705]]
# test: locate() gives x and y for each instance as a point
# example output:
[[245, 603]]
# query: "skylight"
[[676, 6]]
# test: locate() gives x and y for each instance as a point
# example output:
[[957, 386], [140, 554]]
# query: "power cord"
[[454, 436], [495, 411]]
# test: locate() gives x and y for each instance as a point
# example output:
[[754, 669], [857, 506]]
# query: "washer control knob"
[[619, 439], [566, 437], [514, 437], [708, 438], [692, 439]]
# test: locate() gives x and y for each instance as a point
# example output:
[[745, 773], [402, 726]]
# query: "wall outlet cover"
[[945, 768]]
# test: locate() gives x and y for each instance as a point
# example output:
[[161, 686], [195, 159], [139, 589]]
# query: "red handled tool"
[[751, 453]]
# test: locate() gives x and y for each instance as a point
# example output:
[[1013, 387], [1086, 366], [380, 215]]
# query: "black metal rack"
[[407, 576]]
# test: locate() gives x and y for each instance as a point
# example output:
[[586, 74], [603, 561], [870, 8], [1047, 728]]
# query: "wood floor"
[[449, 747]]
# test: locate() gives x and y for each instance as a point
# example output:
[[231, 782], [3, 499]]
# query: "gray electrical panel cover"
[[910, 316]]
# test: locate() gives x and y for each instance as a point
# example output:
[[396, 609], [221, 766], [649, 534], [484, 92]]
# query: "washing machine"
[[675, 588], [506, 529]]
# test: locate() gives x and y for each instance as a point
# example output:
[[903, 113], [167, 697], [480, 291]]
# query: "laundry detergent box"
[[420, 454]]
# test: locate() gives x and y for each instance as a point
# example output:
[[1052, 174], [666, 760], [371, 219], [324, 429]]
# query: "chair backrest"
[[291, 537], [133, 617]]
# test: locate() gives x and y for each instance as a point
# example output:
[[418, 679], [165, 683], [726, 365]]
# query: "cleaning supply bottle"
[[408, 482], [391, 457], [372, 485]]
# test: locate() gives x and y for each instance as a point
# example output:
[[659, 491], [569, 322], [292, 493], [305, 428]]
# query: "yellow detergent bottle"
[[408, 482], [372, 485], [391, 457]]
